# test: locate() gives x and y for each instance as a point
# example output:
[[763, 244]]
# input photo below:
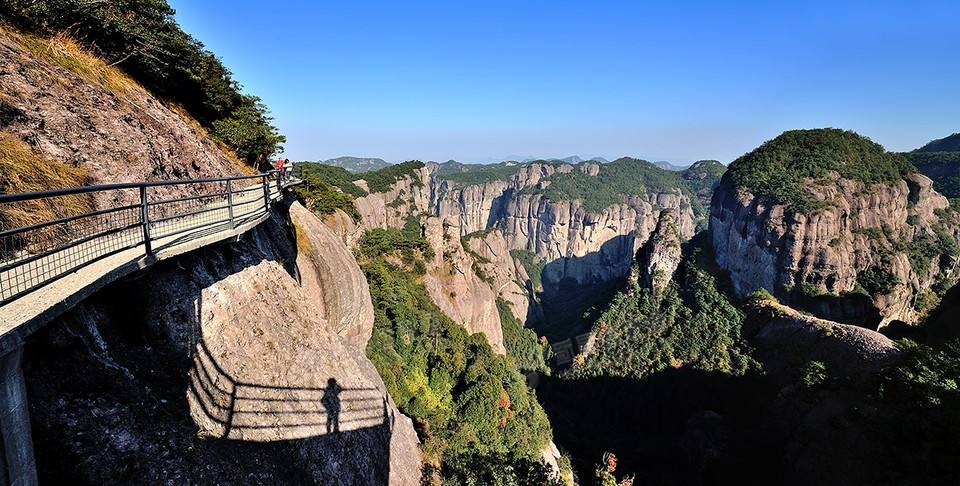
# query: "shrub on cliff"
[[643, 331], [778, 169]]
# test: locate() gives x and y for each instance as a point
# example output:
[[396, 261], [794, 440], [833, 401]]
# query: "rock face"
[[505, 275], [119, 135], [348, 305], [816, 261], [786, 340], [581, 247], [662, 253], [457, 289], [230, 363], [390, 209]]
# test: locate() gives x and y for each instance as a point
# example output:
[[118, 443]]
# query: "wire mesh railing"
[[45, 236]]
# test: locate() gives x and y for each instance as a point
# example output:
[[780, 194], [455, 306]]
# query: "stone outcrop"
[[457, 289], [662, 253], [238, 342], [348, 306], [390, 209], [786, 340], [814, 260], [504, 274]]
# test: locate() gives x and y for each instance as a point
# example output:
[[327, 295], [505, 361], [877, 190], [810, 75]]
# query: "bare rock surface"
[[583, 246], [505, 275], [457, 289], [347, 303], [785, 340], [662, 253]]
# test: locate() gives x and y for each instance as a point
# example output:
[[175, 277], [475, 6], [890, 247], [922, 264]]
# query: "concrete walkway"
[[25, 315]]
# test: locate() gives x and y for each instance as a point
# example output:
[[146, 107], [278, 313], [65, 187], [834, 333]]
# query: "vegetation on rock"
[[644, 331], [615, 181], [949, 143], [522, 344], [942, 167], [327, 188], [778, 169]]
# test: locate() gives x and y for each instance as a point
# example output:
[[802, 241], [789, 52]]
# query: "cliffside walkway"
[[62, 250]]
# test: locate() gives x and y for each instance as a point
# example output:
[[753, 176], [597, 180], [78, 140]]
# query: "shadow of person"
[[331, 402]]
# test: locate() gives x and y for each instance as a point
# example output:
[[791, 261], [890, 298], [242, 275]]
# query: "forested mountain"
[[949, 143], [940, 161]]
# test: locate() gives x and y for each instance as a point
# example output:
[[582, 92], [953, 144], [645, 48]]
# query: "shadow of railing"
[[258, 412]]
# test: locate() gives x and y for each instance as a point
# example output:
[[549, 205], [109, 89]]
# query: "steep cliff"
[[835, 225], [580, 245], [456, 287], [235, 342], [503, 272], [662, 254]]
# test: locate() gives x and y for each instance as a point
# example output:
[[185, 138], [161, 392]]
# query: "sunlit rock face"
[[579, 246], [814, 260]]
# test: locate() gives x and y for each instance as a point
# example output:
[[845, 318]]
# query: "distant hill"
[[703, 177], [940, 160], [600, 159], [945, 144], [668, 166], [573, 159], [357, 164]]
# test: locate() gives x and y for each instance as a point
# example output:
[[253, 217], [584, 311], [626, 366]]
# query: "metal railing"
[[58, 232]]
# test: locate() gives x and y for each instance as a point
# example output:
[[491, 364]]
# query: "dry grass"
[[24, 170], [69, 54]]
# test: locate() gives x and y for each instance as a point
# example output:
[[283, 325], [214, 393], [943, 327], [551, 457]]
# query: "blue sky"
[[678, 81]]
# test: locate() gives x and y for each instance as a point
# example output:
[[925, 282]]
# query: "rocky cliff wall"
[[580, 246], [219, 365], [455, 286], [817, 260], [505, 274]]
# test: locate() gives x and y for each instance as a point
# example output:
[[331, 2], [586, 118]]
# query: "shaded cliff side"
[[219, 364]]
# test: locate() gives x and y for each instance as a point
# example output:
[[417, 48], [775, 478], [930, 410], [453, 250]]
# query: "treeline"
[[142, 38]]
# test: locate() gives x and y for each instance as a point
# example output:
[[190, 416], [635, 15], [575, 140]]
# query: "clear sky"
[[667, 80]]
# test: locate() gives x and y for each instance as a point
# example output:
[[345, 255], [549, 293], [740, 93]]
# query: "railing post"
[[145, 220], [266, 192], [233, 224]]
